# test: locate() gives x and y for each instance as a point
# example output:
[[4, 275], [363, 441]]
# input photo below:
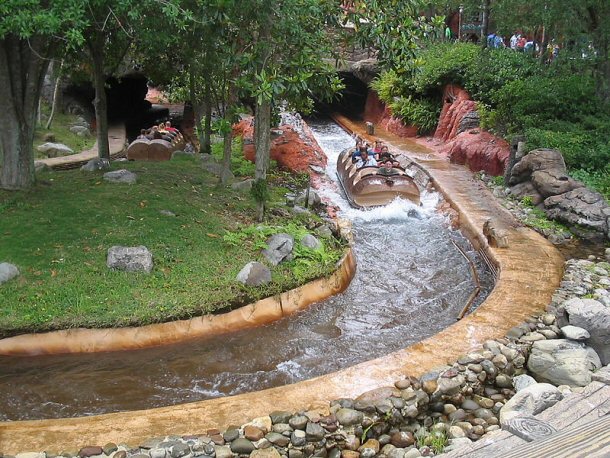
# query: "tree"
[[30, 34], [285, 63]]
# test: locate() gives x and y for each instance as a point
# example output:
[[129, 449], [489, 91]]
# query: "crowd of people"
[[521, 43], [376, 155], [163, 131]]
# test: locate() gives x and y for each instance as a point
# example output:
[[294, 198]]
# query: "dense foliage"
[[552, 106]]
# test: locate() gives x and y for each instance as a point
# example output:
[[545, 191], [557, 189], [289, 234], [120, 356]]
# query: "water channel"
[[410, 283]]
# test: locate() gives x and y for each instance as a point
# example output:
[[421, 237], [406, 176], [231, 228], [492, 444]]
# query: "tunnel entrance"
[[350, 101]]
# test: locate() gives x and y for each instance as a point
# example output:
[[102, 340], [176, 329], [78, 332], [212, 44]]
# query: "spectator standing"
[[513, 41]]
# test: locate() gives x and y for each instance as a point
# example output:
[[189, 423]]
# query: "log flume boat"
[[368, 187]]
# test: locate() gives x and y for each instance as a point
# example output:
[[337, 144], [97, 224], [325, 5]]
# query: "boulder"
[[81, 131], [366, 70], [562, 362], [580, 207], [8, 272], [593, 316], [120, 176], [309, 241], [55, 149], [313, 201], [552, 182], [244, 186], [279, 248], [530, 400], [535, 160], [526, 189], [254, 274], [209, 164], [96, 164], [130, 259]]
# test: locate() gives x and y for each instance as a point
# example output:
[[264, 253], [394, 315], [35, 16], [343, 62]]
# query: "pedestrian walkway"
[[116, 139]]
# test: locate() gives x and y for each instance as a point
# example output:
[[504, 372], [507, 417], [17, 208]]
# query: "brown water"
[[410, 283]]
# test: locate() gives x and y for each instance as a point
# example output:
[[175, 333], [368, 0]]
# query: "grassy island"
[[58, 234]]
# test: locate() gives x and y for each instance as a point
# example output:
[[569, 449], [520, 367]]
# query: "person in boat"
[[387, 169], [365, 160], [377, 148], [357, 150], [142, 135], [170, 129], [385, 155]]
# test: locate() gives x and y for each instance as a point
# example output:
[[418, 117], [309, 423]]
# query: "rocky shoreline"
[[442, 410]]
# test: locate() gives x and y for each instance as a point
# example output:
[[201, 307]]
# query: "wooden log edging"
[[262, 312]]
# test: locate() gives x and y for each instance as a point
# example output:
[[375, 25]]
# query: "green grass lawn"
[[58, 235], [60, 128]]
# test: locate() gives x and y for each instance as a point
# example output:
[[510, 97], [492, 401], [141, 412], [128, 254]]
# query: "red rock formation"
[[291, 150], [377, 112], [479, 150], [456, 104]]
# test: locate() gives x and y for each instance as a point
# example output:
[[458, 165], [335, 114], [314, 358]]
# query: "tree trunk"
[[197, 109], [22, 70], [96, 50], [602, 70], [207, 120], [485, 22], [262, 144], [228, 136], [55, 96]]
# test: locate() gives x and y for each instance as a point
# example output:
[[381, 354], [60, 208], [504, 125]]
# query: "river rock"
[[563, 362], [130, 259], [223, 451], [522, 381], [280, 416], [279, 248], [278, 439], [314, 432], [88, 451], [402, 439], [298, 438], [450, 386], [40, 167], [8, 272], [349, 417], [270, 452], [253, 433], [575, 333], [593, 316], [55, 149], [96, 164], [242, 446], [309, 241], [531, 400], [254, 274]]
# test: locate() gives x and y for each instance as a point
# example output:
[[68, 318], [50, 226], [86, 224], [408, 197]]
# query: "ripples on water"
[[410, 283]]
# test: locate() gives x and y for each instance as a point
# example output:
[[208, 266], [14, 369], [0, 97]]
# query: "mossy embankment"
[[58, 235]]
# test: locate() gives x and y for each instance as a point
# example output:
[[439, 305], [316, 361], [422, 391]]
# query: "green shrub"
[[598, 180], [540, 100], [422, 113], [580, 149]]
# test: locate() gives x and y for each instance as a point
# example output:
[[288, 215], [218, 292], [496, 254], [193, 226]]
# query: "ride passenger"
[[356, 153], [385, 155], [377, 147], [365, 160], [387, 169]]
